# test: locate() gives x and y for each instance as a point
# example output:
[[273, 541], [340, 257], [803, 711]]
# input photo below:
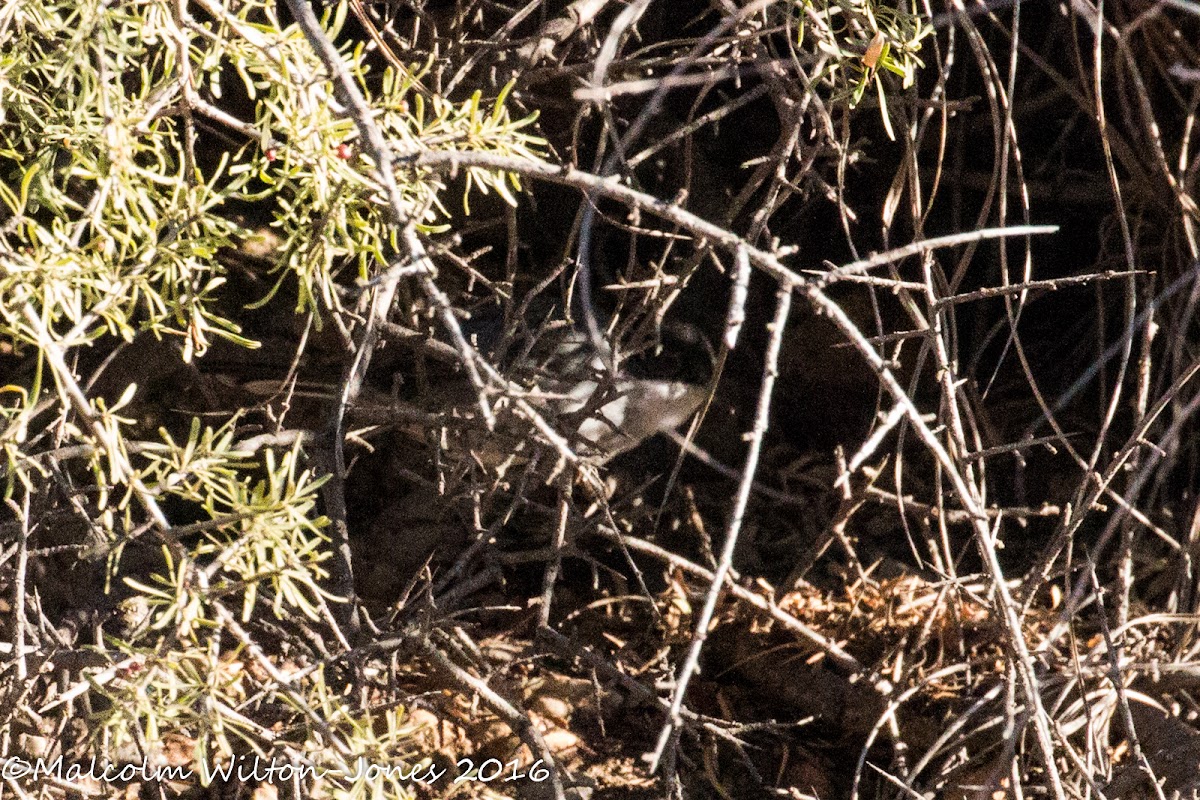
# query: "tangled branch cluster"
[[306, 460]]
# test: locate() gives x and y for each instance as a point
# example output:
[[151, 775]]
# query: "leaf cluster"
[[133, 138]]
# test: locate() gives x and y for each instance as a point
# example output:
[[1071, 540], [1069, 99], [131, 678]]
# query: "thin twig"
[[736, 315], [1051, 285], [761, 419], [21, 511], [831, 649]]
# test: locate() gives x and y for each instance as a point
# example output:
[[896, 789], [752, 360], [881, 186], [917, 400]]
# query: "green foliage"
[[263, 533], [134, 136], [200, 697], [861, 39]]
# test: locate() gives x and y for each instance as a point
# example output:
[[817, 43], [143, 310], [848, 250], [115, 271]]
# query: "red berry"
[[343, 151]]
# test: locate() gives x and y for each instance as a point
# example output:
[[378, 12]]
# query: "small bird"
[[603, 411], [600, 411], [638, 409]]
